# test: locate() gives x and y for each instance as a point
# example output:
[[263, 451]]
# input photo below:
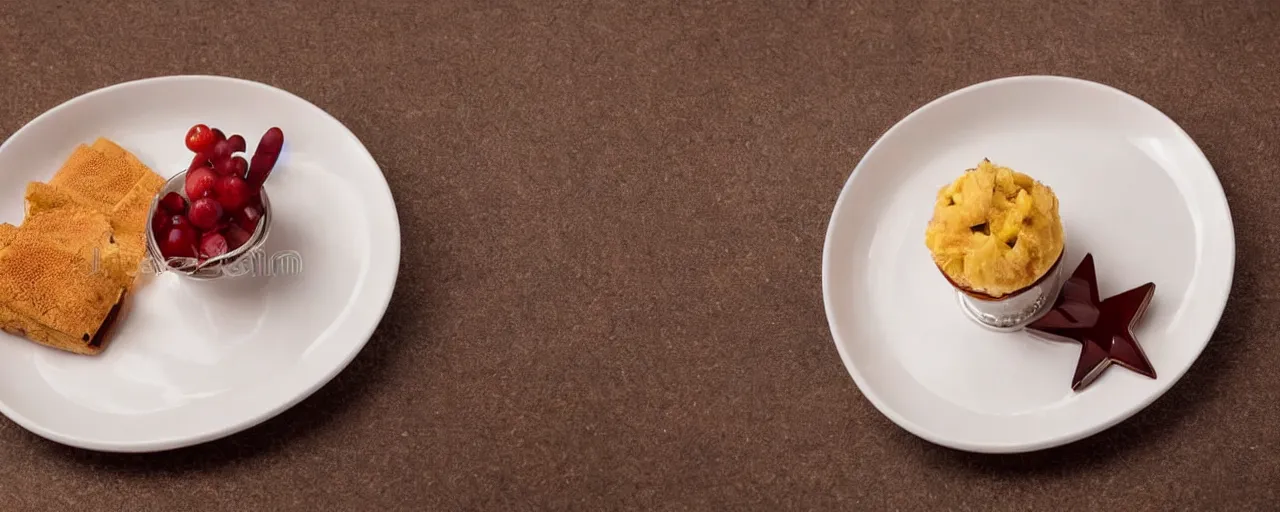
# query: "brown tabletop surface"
[[612, 217]]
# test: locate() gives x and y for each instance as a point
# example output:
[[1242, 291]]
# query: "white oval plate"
[[1134, 190], [191, 362]]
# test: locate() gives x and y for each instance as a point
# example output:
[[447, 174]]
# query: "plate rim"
[[378, 309], [1217, 193]]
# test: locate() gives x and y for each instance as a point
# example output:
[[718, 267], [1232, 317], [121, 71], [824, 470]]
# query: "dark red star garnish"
[[1103, 328]]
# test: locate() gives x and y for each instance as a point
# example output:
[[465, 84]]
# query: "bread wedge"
[[7, 233], [65, 272], [51, 294], [98, 177]]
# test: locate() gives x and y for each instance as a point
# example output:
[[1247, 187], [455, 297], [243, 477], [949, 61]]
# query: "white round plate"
[[191, 361], [1134, 190]]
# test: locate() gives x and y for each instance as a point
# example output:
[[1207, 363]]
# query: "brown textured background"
[[613, 216]]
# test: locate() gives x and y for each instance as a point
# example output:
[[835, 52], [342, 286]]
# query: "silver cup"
[[228, 265], [1014, 311]]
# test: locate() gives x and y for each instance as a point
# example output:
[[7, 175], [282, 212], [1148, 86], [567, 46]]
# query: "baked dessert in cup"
[[997, 238]]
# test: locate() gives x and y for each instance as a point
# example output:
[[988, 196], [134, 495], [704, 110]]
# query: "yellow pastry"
[[129, 220], [109, 148], [7, 233], [54, 296], [65, 271], [99, 177], [76, 229], [42, 197], [995, 231]]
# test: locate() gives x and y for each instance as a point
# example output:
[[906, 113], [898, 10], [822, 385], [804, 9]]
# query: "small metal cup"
[[1014, 311], [233, 263]]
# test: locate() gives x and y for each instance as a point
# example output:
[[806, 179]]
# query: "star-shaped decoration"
[[1103, 328]]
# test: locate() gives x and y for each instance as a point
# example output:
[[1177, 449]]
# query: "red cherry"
[[179, 220], [221, 151], [225, 167], [236, 237], [222, 223], [199, 138], [205, 213], [234, 166], [200, 183], [198, 161], [272, 141], [239, 166], [173, 202], [232, 192], [246, 223], [264, 157], [248, 217], [160, 224], [212, 245], [236, 143], [180, 241]]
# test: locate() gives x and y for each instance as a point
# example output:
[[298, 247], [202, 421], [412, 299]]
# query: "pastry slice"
[[54, 296], [7, 233], [128, 216], [82, 232], [133, 207], [99, 177], [111, 149], [78, 224], [129, 220], [43, 197]]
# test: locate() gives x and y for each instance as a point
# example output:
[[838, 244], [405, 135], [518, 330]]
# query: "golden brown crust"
[[127, 216], [76, 229], [99, 177], [42, 197], [26, 327], [87, 234], [995, 231], [54, 295], [7, 233], [65, 271], [110, 148], [129, 220]]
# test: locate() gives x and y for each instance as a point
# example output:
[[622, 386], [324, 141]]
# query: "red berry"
[[248, 217], [232, 192], [173, 202], [205, 213], [200, 183], [199, 138], [160, 224], [236, 237], [272, 140], [221, 151], [264, 157], [179, 241], [221, 224], [236, 143], [239, 166], [212, 245], [198, 161], [224, 167]]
